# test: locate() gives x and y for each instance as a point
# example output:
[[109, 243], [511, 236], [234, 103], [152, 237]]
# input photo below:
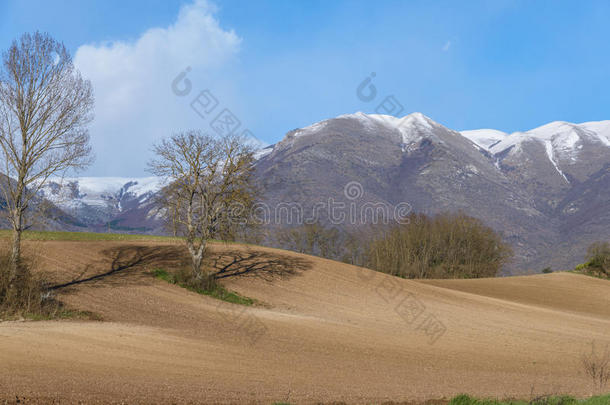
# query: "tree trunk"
[[197, 259], [16, 253], [16, 250]]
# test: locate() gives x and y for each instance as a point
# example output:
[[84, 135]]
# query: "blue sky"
[[279, 65]]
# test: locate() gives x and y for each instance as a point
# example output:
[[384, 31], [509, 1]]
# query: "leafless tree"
[[448, 245], [597, 366], [45, 107], [311, 238], [209, 187]]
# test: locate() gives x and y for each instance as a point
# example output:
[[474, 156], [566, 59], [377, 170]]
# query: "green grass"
[[218, 292], [93, 236], [84, 236], [64, 314], [60, 313], [164, 275], [563, 400]]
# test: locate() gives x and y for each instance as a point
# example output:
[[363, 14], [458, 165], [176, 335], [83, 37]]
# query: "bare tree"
[[597, 366], [209, 187], [45, 107], [448, 245]]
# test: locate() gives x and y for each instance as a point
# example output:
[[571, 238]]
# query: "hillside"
[[318, 322], [540, 189]]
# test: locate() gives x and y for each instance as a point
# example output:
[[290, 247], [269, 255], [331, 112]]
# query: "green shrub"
[[582, 266], [598, 260], [462, 399], [598, 257], [208, 286]]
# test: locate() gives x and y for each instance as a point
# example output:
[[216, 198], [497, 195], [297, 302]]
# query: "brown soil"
[[327, 332]]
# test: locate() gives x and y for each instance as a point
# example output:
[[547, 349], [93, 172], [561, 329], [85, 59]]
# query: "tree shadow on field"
[[268, 266], [126, 263]]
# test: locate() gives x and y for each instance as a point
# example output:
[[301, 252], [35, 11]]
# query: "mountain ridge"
[[516, 189]]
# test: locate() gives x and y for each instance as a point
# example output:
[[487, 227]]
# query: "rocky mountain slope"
[[108, 203], [543, 189]]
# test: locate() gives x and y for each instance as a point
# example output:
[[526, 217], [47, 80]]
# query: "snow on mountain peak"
[[310, 129], [415, 119], [100, 185], [484, 138], [600, 128], [560, 139], [98, 191], [409, 126], [261, 153], [564, 137]]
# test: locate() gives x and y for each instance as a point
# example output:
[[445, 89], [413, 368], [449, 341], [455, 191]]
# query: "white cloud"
[[132, 83], [446, 47]]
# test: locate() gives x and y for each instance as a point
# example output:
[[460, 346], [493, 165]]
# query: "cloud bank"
[[135, 105]]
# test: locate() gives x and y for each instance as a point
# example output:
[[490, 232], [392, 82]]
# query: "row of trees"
[[313, 239], [448, 245]]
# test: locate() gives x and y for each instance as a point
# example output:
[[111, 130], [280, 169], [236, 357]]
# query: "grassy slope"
[[94, 237], [466, 400], [86, 236]]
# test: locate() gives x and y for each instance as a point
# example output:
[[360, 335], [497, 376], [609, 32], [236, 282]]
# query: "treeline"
[[316, 239], [449, 245], [443, 246]]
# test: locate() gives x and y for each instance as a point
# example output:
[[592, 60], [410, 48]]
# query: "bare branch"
[[206, 177]]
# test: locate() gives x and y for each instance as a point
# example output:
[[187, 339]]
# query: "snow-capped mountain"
[[563, 137], [99, 200], [528, 185], [485, 138], [565, 144], [408, 127]]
